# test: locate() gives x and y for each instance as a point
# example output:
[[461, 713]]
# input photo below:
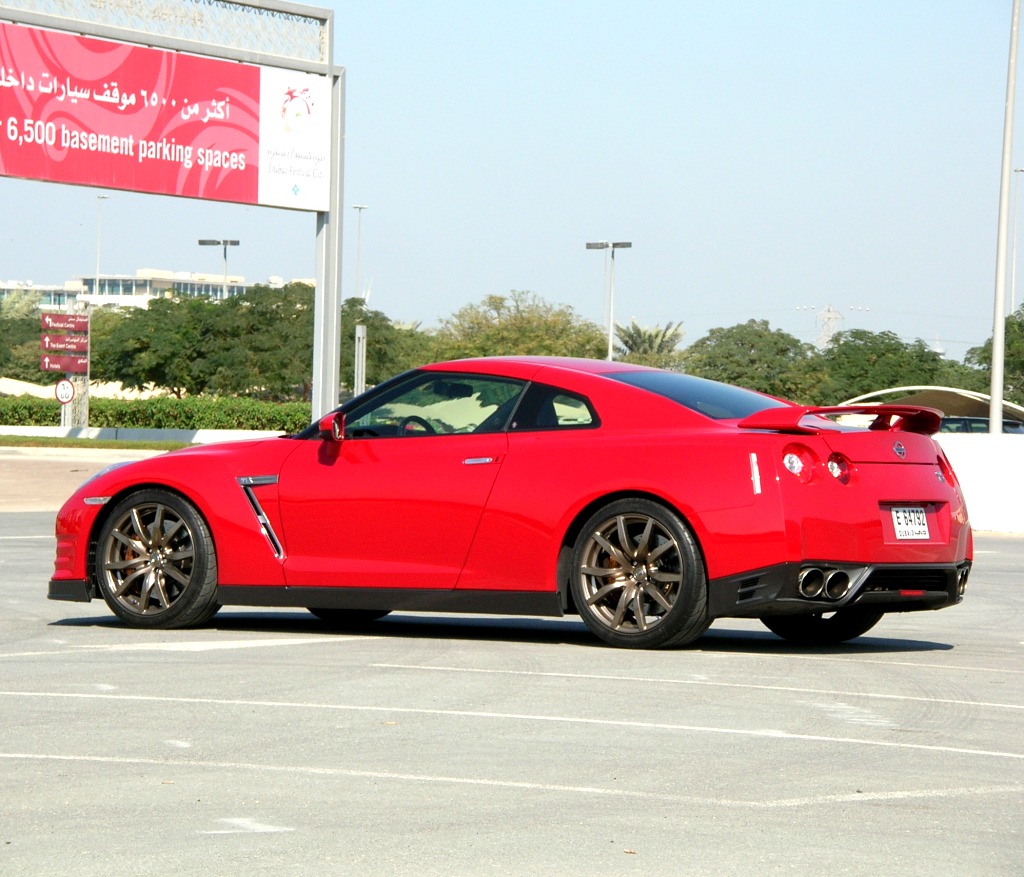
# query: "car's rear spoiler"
[[907, 418]]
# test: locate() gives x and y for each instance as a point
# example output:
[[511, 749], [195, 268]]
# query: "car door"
[[397, 501]]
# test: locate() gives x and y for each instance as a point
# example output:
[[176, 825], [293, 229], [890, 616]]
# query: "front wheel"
[[637, 577], [820, 629], [155, 562]]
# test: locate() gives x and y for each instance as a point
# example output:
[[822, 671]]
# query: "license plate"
[[910, 522]]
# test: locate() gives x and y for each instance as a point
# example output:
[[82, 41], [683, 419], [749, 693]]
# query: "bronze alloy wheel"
[[638, 579], [155, 562]]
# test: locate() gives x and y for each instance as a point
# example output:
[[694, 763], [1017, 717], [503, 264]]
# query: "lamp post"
[[206, 242], [998, 368], [611, 247], [1013, 245], [359, 246], [99, 204]]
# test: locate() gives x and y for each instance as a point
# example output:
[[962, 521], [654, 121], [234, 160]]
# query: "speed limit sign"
[[64, 391]]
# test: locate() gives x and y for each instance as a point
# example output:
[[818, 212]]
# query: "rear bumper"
[[883, 587], [74, 590]]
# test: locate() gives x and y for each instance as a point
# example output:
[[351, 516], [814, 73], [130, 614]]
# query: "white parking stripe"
[[246, 826], [836, 659], [217, 645], [656, 680], [858, 797], [195, 646], [770, 733]]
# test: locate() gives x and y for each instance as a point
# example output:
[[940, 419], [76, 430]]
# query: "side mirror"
[[332, 426]]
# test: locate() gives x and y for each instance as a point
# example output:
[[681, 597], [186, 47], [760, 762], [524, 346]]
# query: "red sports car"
[[646, 501]]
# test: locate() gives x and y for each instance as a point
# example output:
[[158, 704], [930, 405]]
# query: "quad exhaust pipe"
[[831, 584]]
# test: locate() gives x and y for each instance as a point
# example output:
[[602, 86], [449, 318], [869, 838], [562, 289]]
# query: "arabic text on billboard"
[[87, 111]]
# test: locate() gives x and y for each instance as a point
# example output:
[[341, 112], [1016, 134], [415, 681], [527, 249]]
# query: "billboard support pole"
[[327, 310]]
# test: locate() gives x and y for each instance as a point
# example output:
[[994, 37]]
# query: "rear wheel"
[[822, 629], [637, 577], [348, 617], [155, 562]]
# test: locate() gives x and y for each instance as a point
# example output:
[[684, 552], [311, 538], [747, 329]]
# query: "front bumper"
[[882, 587]]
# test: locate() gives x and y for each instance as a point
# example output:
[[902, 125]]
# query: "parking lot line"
[[701, 682], [762, 733], [780, 803]]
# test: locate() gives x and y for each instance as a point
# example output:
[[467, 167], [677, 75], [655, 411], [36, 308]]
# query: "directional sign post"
[[64, 347]]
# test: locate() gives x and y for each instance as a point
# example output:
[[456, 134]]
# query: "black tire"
[[156, 565], [637, 578], [348, 618], [821, 630]]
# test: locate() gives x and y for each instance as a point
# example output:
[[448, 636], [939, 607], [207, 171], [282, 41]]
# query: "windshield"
[[710, 398]]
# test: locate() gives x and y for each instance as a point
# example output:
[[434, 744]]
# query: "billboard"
[[88, 111]]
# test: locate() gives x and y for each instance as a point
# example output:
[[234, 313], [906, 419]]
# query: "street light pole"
[[612, 247], [359, 246], [998, 369], [207, 242], [99, 204], [1013, 245]]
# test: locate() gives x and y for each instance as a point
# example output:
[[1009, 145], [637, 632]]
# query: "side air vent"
[[247, 483]]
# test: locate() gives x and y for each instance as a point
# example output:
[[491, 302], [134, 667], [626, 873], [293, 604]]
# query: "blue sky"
[[766, 159]]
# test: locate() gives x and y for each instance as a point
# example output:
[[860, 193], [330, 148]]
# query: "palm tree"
[[656, 347]]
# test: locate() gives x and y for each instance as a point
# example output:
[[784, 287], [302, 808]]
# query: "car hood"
[[188, 467]]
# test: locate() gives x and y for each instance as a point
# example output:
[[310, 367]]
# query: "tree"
[[20, 303], [1013, 359], [962, 376], [162, 345], [657, 347], [22, 363], [519, 324], [261, 344], [19, 339], [390, 348], [858, 361], [753, 355], [258, 344]]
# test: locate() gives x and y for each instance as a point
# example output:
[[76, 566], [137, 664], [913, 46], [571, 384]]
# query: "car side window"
[[436, 403], [550, 408]]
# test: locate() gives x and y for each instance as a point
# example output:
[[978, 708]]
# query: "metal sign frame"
[[237, 30]]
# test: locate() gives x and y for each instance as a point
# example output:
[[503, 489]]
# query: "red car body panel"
[[207, 476], [398, 514]]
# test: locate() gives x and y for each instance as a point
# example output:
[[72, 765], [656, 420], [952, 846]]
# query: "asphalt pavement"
[[264, 744], [40, 479]]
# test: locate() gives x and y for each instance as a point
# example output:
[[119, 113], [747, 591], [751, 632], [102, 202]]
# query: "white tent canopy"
[[949, 400]]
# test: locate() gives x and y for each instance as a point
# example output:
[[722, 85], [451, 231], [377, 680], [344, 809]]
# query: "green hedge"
[[164, 412]]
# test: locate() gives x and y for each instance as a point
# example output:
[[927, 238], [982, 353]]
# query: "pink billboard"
[[81, 110]]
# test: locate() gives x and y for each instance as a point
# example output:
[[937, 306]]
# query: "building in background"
[[125, 290]]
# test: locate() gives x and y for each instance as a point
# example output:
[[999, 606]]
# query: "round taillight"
[[840, 468], [800, 461]]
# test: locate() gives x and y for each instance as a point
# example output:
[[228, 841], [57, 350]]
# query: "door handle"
[[477, 461]]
